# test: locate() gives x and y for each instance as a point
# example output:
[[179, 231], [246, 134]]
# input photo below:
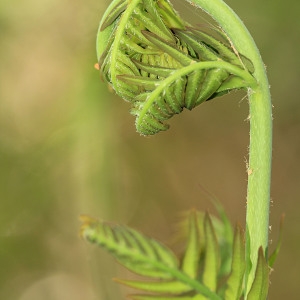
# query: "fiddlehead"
[[161, 64]]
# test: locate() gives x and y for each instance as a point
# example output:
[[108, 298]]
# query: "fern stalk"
[[260, 149]]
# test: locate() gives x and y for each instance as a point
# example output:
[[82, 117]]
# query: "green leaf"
[[231, 83], [225, 234], [217, 47], [169, 48], [136, 252], [151, 297], [162, 287], [193, 88], [102, 48], [156, 70], [212, 258], [151, 19], [235, 280], [107, 25], [146, 82], [191, 257], [260, 286], [170, 16], [203, 51], [112, 13], [211, 84], [275, 253]]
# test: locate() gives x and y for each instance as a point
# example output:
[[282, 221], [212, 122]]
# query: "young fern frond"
[[147, 257], [161, 64], [196, 275]]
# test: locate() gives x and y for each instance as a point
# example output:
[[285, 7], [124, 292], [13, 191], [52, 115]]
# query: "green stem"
[[260, 149]]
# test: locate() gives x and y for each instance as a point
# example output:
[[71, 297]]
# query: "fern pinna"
[[161, 64]]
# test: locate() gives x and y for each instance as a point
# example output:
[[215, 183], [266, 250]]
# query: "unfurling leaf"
[[161, 64]]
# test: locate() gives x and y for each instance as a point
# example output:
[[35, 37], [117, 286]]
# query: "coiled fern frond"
[[161, 64]]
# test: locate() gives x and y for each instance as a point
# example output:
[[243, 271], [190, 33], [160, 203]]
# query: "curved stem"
[[260, 149]]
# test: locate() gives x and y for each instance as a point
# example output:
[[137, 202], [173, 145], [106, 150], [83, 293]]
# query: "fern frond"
[[147, 257], [196, 276], [143, 46]]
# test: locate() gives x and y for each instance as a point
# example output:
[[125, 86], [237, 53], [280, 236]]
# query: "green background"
[[68, 147]]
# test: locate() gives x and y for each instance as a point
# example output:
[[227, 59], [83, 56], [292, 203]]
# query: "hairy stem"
[[260, 149]]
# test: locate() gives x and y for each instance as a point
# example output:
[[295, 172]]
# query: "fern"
[[161, 64], [193, 276]]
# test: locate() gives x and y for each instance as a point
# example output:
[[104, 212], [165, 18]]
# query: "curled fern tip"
[[161, 64]]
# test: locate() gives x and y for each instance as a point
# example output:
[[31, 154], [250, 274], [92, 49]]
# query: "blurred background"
[[69, 147]]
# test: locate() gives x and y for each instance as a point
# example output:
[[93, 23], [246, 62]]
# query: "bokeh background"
[[68, 147]]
